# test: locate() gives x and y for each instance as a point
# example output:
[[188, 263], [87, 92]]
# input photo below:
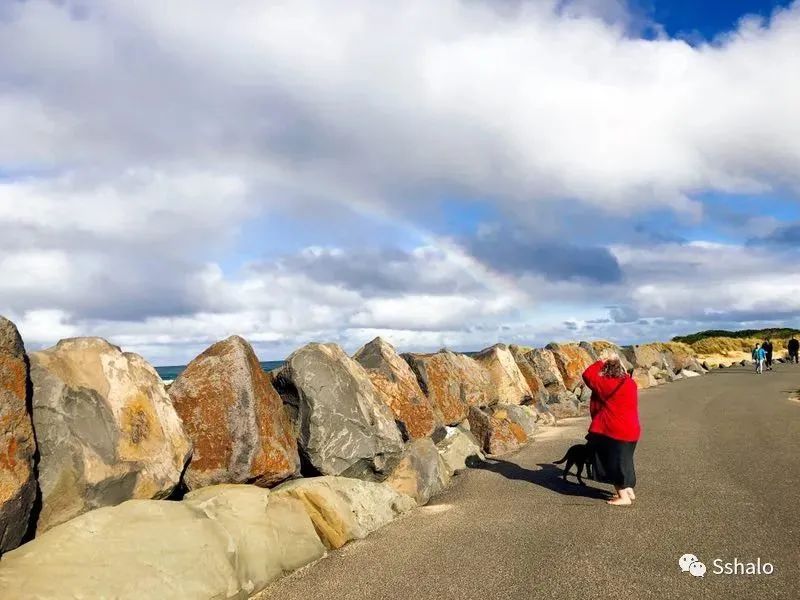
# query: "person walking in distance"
[[768, 348], [794, 349], [759, 356]]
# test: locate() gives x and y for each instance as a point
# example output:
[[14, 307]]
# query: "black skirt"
[[612, 460]]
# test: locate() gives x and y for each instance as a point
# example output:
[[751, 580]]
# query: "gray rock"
[[590, 350], [539, 393], [524, 416], [544, 363], [345, 509], [17, 443], [644, 378], [606, 350], [106, 429], [458, 447], [663, 375], [220, 542], [495, 431], [668, 363], [345, 428], [563, 405], [422, 473], [586, 395]]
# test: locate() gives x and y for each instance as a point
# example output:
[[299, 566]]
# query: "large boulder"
[[589, 349], [529, 373], [524, 416], [17, 444], [345, 428], [458, 447], [663, 375], [344, 509], [453, 382], [645, 355], [546, 367], [644, 378], [397, 386], [220, 542], [684, 358], [106, 429], [539, 393], [606, 350], [497, 434], [235, 419], [572, 361], [564, 405], [508, 384], [422, 473], [559, 402]]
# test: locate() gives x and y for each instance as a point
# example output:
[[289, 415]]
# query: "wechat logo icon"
[[689, 563]]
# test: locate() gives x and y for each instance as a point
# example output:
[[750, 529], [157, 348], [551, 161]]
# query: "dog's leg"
[[567, 467], [580, 470]]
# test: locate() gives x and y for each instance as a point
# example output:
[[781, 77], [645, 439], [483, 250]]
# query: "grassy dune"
[[723, 345], [775, 333]]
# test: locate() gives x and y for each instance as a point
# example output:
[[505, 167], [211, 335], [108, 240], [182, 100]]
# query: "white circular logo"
[[697, 569], [685, 561]]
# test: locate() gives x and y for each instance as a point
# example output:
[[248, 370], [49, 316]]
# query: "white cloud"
[[711, 280], [146, 135], [372, 96]]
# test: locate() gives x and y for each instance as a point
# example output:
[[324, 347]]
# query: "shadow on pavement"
[[547, 476]]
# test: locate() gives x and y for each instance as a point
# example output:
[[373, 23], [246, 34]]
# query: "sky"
[[452, 174]]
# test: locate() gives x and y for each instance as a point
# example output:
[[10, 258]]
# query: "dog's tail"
[[563, 460]]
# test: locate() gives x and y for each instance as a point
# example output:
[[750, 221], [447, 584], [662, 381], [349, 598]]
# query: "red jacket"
[[614, 405]]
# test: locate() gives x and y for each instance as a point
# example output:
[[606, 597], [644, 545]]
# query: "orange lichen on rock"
[[453, 382], [397, 386], [496, 433], [17, 444], [235, 419], [572, 361]]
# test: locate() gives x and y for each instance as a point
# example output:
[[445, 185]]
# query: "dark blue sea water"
[[170, 373]]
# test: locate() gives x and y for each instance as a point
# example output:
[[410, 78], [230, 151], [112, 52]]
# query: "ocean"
[[169, 374]]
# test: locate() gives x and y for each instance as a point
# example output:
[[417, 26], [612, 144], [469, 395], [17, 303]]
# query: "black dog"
[[580, 456]]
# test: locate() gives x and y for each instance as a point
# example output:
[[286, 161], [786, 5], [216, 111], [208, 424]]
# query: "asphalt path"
[[718, 467]]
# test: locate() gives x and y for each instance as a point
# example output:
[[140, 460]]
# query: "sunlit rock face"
[[235, 419], [106, 429], [17, 444]]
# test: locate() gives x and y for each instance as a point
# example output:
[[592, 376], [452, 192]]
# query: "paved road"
[[718, 469]]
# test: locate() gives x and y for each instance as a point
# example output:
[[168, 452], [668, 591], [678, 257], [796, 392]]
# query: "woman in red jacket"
[[614, 431]]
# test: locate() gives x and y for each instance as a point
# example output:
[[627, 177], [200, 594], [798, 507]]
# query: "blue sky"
[[452, 173], [708, 19]]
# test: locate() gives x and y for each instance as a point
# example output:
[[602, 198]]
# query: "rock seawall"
[[358, 440]]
